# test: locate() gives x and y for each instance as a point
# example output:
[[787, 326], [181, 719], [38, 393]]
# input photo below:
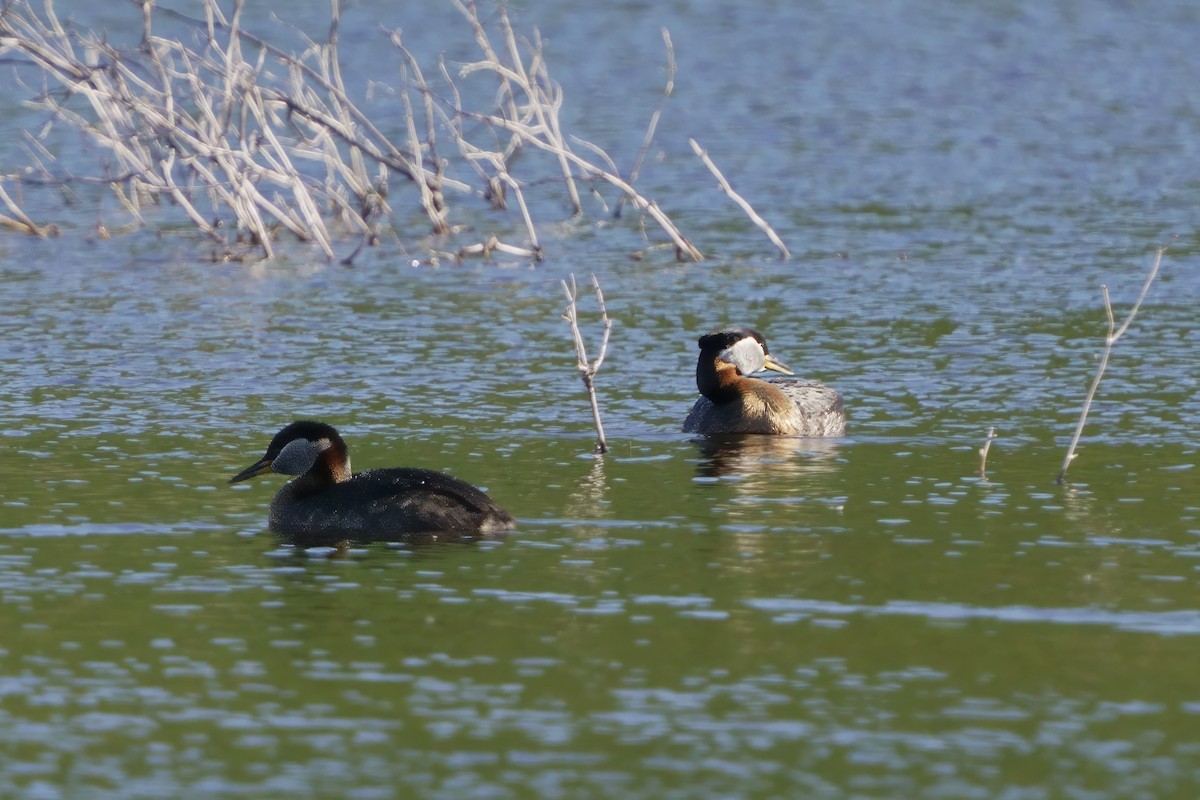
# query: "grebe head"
[[743, 348], [299, 448]]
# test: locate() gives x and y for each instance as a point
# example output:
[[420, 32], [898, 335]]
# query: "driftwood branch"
[[588, 370], [1114, 334], [530, 118], [741, 201], [20, 221], [247, 141]]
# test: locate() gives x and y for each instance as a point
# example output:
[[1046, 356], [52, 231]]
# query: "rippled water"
[[865, 617]]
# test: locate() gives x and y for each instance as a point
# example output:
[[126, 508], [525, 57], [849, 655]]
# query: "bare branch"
[[20, 221], [539, 126], [1113, 335], [545, 108], [737, 198], [516, 187], [275, 143], [587, 371], [653, 126]]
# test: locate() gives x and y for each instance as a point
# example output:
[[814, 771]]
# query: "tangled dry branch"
[[248, 140]]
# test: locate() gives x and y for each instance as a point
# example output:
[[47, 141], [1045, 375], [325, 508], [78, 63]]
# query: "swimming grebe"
[[734, 402], [326, 503]]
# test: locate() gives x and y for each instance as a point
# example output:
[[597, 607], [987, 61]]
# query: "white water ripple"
[[1184, 622]]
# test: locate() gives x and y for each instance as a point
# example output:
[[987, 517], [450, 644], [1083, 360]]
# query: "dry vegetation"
[[250, 142], [588, 369], [1114, 333]]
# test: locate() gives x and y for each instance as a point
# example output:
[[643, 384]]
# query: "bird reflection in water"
[[759, 459], [771, 484]]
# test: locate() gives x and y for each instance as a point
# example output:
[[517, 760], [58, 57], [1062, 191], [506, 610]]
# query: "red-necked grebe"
[[326, 503], [734, 402]]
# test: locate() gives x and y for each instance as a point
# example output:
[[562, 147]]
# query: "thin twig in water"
[[741, 201], [670, 87], [516, 187], [983, 451], [587, 371], [1114, 334]]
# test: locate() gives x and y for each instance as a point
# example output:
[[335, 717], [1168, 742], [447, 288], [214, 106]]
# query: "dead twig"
[[247, 141], [529, 113], [20, 221], [653, 126], [493, 244], [741, 201], [588, 370], [983, 451], [1114, 334]]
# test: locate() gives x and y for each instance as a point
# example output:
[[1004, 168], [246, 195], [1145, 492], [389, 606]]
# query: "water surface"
[[866, 617]]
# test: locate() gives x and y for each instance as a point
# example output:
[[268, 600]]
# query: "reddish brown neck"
[[719, 381]]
